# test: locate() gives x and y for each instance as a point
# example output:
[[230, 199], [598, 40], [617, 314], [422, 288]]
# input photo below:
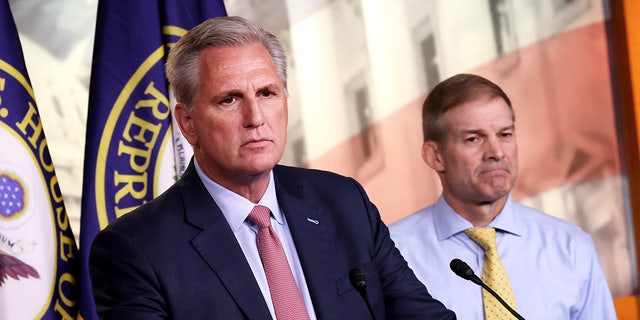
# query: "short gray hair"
[[182, 63]]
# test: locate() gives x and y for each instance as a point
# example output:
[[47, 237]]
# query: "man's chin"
[[502, 183], [497, 195], [494, 192], [259, 166]]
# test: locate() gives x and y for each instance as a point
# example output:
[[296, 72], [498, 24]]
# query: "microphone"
[[359, 283], [463, 271]]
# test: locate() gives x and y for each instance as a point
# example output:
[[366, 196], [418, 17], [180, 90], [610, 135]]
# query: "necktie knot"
[[485, 237], [261, 215]]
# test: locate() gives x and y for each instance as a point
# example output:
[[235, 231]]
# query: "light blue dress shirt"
[[553, 266], [236, 209]]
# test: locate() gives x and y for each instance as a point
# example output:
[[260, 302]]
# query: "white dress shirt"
[[236, 209]]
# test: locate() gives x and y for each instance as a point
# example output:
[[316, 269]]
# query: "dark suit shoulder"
[[168, 201], [284, 169], [295, 175]]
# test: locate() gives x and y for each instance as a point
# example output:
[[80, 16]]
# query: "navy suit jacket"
[[176, 257]]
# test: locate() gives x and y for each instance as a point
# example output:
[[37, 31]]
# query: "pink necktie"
[[285, 295]]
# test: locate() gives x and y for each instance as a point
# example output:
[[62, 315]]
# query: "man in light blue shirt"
[[552, 265]]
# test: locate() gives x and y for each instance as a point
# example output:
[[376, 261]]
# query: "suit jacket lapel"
[[219, 248], [308, 224]]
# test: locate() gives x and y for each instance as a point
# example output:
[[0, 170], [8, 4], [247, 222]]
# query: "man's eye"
[[266, 93], [228, 100]]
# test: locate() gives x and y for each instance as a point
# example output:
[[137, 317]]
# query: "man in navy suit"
[[191, 253]]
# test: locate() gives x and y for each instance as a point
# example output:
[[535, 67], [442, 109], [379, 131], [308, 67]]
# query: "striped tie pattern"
[[493, 275], [287, 301]]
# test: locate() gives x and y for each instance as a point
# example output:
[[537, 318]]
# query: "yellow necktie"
[[493, 275]]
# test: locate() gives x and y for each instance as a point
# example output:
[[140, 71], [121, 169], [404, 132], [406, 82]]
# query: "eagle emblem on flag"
[[15, 268]]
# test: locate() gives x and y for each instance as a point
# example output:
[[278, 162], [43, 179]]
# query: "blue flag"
[[38, 253], [133, 152]]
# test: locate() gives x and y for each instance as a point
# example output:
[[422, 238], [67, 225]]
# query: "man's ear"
[[432, 156], [185, 122]]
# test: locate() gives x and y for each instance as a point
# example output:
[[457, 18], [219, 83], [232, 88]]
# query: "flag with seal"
[[38, 253], [133, 150]]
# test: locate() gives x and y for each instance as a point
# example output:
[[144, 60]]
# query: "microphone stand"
[[495, 295], [358, 281], [462, 270]]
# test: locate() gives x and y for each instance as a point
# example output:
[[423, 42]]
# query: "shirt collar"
[[448, 223], [236, 208]]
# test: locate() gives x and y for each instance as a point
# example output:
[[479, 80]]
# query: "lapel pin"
[[313, 221]]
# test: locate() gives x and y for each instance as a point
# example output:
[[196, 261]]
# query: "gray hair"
[[182, 65]]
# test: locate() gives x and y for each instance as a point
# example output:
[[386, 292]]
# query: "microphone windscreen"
[[357, 278], [461, 268]]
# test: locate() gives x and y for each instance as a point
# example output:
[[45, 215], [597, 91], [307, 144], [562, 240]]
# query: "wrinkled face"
[[238, 124], [478, 163]]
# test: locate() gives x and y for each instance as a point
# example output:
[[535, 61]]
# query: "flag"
[[133, 151], [38, 253]]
